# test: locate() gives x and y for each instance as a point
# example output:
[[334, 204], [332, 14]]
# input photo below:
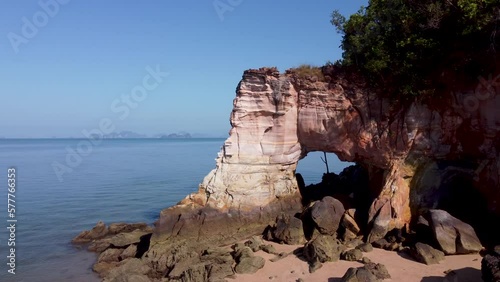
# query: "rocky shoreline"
[[125, 251], [422, 185]]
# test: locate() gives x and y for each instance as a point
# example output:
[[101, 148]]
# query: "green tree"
[[412, 48]]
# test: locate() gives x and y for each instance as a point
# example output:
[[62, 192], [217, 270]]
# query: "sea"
[[64, 186]]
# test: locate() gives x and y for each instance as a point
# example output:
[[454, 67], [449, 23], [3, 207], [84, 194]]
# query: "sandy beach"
[[466, 268]]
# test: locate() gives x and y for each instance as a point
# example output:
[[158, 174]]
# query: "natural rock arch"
[[278, 118]]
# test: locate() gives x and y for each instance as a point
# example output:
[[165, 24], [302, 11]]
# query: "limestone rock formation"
[[410, 151]]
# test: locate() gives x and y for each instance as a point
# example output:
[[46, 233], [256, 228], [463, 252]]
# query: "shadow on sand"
[[467, 274]]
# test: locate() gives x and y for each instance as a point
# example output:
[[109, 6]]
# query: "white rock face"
[[257, 163]]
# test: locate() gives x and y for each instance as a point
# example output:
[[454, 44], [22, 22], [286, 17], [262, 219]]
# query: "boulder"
[[370, 272], [125, 239], [103, 268], [128, 267], [213, 265], [110, 255], [249, 265], [348, 235], [381, 244], [490, 266], [349, 223], [196, 272], [426, 254], [365, 260], [217, 256], [97, 232], [378, 269], [453, 235], [288, 230], [365, 247], [352, 255], [129, 278], [129, 252], [217, 272], [327, 214], [360, 274], [323, 248], [99, 246], [247, 262], [353, 243], [243, 253], [115, 228], [254, 243]]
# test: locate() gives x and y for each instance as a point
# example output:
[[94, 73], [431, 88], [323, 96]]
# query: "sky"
[[158, 66]]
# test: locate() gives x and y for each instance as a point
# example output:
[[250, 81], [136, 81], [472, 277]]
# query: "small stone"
[[352, 255], [269, 249], [279, 257], [380, 243], [365, 260], [365, 247], [255, 243]]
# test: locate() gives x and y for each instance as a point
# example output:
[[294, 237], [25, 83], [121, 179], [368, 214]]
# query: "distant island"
[[176, 135], [133, 135]]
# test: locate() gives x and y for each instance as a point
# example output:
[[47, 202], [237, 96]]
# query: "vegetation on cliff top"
[[308, 71], [415, 48]]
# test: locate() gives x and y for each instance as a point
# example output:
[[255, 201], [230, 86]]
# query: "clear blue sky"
[[66, 75]]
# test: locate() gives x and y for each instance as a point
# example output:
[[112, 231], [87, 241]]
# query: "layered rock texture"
[[421, 155], [435, 165]]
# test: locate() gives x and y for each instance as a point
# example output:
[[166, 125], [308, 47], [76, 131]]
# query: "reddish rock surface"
[[278, 118]]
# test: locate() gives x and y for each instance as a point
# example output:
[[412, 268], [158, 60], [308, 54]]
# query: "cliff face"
[[421, 154]]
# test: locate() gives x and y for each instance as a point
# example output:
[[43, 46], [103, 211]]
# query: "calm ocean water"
[[119, 181]]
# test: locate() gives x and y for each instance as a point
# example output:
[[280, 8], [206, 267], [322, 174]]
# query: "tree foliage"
[[417, 47]]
